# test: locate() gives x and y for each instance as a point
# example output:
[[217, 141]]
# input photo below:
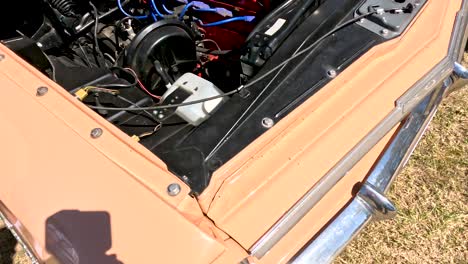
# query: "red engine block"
[[232, 35]]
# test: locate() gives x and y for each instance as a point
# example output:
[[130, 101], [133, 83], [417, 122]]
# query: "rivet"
[[96, 132], [267, 122], [332, 73], [173, 189], [41, 91]]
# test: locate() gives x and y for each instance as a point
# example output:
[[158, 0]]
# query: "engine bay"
[[192, 80]]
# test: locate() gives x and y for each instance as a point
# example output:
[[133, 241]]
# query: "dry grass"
[[431, 194]]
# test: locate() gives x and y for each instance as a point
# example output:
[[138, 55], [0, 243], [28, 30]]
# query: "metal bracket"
[[378, 204], [385, 23]]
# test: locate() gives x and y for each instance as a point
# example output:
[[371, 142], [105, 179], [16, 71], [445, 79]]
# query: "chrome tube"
[[370, 202]]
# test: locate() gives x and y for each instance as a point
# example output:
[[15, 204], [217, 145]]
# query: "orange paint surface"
[[250, 193], [50, 164]]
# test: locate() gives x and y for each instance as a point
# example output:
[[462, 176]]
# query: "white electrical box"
[[199, 89]]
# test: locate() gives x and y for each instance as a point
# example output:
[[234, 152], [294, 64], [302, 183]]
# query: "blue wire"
[[155, 8], [119, 4], [229, 20], [206, 9], [186, 8], [167, 10]]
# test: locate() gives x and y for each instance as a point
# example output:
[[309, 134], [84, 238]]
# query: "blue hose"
[[229, 20], [206, 9], [119, 4], [186, 8], [155, 8], [167, 10]]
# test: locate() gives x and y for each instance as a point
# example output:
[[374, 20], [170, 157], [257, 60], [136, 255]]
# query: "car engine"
[[195, 82], [173, 50]]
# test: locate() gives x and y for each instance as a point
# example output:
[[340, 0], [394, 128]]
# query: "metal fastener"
[[2, 57], [173, 189], [384, 32], [96, 132], [267, 122], [41, 91], [185, 178], [332, 73]]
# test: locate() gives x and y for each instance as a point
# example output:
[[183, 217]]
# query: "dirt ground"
[[431, 195]]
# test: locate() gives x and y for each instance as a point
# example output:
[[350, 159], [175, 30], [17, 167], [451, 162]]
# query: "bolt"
[[96, 132], [41, 91], [185, 178], [384, 32], [332, 73], [2, 57], [267, 122], [160, 116], [173, 189]]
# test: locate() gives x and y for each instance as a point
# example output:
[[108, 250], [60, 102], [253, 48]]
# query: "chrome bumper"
[[19, 233], [370, 202]]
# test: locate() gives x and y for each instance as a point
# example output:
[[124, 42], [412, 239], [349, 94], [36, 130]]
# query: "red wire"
[[143, 86]]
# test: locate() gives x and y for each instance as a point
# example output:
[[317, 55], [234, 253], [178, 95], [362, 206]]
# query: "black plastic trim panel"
[[195, 153]]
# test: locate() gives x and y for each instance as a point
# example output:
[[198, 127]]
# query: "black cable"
[[117, 30], [157, 107], [116, 69], [310, 47], [88, 62], [256, 80], [95, 34]]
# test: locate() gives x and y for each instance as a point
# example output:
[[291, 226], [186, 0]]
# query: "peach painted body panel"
[[271, 174], [51, 165], [56, 166]]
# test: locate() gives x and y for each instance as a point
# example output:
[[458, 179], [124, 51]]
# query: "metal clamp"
[[378, 204]]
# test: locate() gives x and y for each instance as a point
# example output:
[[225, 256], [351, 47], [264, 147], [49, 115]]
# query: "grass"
[[431, 195]]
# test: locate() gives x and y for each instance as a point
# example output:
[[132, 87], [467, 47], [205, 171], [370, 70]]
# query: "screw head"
[[96, 132], [41, 91], [384, 32], [332, 73], [267, 122], [185, 178], [173, 189]]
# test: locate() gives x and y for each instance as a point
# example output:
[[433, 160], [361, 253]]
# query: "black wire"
[[95, 34], [85, 55], [256, 80], [165, 106], [116, 69], [310, 47], [117, 29]]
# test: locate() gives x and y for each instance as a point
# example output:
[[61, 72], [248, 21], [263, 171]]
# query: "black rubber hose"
[[64, 7]]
